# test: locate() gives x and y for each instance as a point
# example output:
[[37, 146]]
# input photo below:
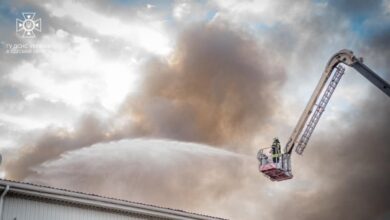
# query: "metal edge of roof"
[[99, 201]]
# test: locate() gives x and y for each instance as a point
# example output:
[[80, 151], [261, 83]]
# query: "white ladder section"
[[339, 71]]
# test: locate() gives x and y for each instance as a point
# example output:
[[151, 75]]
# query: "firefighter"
[[275, 150]]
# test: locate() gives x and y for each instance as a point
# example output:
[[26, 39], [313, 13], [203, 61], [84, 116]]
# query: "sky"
[[169, 101]]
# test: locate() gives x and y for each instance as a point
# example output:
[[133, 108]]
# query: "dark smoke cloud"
[[219, 89]]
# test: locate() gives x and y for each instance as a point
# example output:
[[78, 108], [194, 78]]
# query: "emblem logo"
[[28, 25]]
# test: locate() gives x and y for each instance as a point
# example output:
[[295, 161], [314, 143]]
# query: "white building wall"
[[22, 208]]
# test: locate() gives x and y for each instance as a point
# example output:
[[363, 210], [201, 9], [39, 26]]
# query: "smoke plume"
[[218, 88]]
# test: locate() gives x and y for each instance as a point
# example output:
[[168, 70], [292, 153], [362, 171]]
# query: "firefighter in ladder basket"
[[275, 150]]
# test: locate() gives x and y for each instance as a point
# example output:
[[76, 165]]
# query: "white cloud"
[[148, 35], [72, 71], [186, 12], [266, 12], [181, 9]]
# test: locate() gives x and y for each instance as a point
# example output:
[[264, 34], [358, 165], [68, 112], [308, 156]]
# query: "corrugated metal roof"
[[97, 200]]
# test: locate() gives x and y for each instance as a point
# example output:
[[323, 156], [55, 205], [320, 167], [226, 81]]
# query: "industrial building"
[[25, 201]]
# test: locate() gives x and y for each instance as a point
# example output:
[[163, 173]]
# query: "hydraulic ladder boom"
[[343, 56]]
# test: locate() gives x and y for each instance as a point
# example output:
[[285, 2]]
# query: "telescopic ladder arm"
[[343, 56]]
